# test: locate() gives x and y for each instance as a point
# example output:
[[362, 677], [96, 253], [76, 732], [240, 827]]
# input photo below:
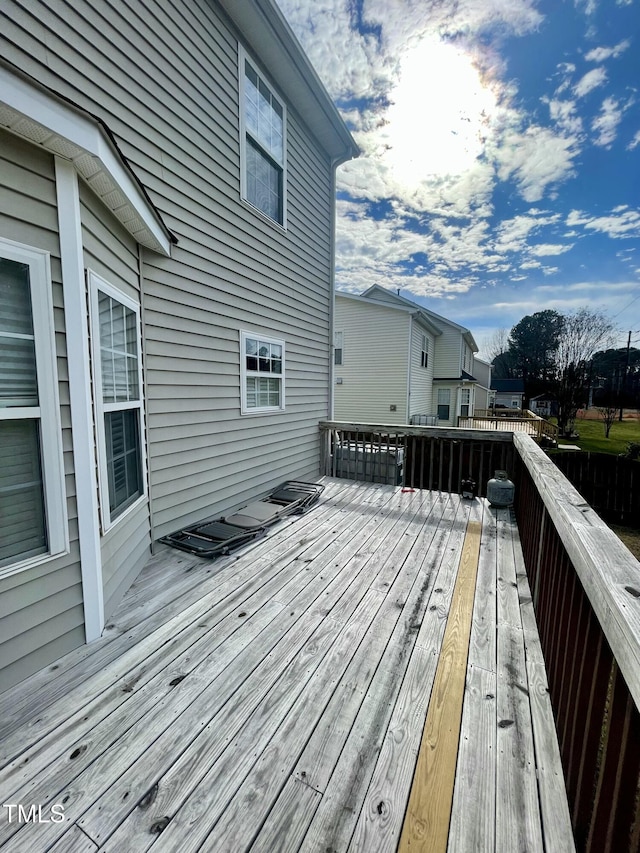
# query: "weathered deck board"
[[275, 700], [426, 825]]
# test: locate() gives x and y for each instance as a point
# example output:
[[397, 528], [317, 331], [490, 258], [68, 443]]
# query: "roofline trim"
[[63, 129]]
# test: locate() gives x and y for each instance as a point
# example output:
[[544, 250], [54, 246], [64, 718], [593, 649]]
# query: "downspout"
[[332, 287]]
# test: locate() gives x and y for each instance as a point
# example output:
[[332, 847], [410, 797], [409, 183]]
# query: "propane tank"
[[500, 490]]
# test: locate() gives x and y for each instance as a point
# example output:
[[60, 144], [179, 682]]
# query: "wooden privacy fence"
[[413, 456], [586, 596], [611, 484]]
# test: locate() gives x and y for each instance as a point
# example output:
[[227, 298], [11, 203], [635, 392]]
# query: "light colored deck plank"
[[338, 812], [74, 841], [255, 797], [298, 725], [518, 821], [135, 667], [69, 679], [325, 599], [285, 827], [317, 763], [426, 825], [474, 799]]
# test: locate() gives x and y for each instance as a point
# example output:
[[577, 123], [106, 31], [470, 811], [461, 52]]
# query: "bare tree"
[[583, 333], [608, 414], [495, 344]]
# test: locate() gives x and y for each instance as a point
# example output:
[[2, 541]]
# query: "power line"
[[635, 298]]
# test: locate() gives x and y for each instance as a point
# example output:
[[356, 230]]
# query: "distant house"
[[544, 405], [166, 282], [396, 362], [508, 393], [483, 393]]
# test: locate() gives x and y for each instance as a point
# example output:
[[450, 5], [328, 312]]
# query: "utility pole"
[[624, 376]]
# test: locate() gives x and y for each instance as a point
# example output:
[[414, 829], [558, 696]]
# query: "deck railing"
[[525, 422], [586, 594]]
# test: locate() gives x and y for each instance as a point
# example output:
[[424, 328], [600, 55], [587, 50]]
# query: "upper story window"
[[263, 144], [337, 347], [262, 374], [116, 346], [424, 355], [32, 498]]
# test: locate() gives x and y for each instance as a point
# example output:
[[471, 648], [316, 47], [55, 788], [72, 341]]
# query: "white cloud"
[[600, 54], [624, 223], [536, 158], [589, 6], [545, 249], [605, 124], [634, 142], [564, 113], [590, 81]]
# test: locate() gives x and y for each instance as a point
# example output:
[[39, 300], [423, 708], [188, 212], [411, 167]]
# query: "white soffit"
[[46, 121]]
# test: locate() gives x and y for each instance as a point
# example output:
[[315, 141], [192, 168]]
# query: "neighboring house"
[[483, 393], [509, 393], [166, 253], [544, 405], [395, 361]]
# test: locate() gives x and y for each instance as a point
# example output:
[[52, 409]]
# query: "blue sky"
[[500, 166]]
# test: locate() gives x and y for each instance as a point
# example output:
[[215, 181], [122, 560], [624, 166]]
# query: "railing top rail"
[[455, 433], [609, 573]]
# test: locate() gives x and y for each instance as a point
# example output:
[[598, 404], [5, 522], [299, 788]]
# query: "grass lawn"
[[592, 435]]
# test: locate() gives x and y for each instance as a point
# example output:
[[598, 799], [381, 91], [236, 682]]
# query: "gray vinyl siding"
[[421, 386], [163, 75], [112, 253], [375, 359], [41, 612]]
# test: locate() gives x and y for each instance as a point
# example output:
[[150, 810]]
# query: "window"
[[337, 348], [515, 402], [465, 400], [424, 355], [262, 374], [116, 349], [32, 496], [263, 144], [444, 401]]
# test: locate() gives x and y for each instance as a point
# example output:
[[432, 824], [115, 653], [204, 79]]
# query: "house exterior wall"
[[421, 383], [166, 85], [173, 107], [112, 253], [373, 335], [448, 354], [482, 372], [41, 613]]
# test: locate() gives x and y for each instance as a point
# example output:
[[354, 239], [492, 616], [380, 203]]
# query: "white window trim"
[[97, 283], [338, 347], [424, 352], [245, 374], [242, 56], [48, 411]]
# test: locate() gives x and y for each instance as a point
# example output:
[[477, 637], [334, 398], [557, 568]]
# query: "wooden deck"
[[313, 692]]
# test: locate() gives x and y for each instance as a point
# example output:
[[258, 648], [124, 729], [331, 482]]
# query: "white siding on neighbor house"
[[421, 387], [163, 75], [41, 610], [374, 362], [447, 357], [482, 373], [112, 253]]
